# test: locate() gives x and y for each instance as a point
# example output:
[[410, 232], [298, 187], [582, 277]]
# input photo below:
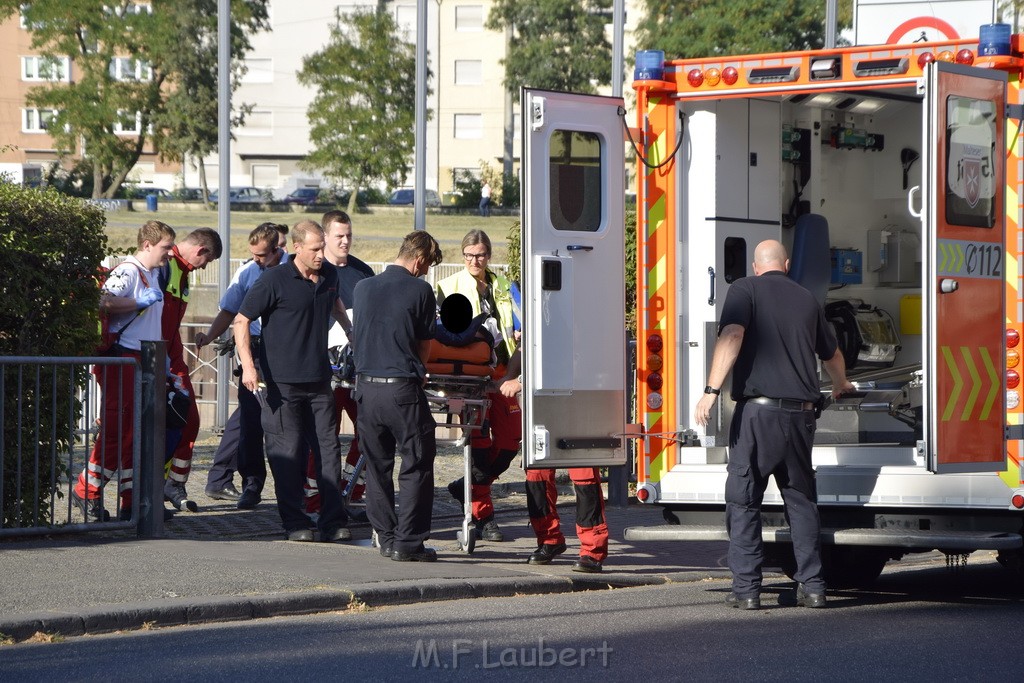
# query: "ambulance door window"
[[575, 181], [970, 162], [734, 259]]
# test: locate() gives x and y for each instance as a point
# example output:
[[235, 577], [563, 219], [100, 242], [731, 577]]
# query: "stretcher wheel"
[[464, 545]]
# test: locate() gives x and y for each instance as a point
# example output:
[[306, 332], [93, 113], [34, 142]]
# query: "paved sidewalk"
[[224, 564]]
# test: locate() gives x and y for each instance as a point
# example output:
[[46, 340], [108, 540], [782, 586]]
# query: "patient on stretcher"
[[462, 344]]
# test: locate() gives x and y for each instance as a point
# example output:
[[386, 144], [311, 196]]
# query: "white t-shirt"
[[125, 281]]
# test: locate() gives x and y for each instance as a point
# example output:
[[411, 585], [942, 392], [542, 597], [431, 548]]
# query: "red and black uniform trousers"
[[591, 525], [346, 405], [493, 448], [176, 297], [112, 451]]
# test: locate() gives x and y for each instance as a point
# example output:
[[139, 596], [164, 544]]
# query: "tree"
[[362, 117], [700, 28], [124, 58], [554, 44], [189, 118]]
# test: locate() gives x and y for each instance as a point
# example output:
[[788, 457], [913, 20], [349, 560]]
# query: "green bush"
[[629, 296], [51, 246]]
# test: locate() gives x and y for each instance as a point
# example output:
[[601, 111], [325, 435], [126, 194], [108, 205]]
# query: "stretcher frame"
[[464, 396]]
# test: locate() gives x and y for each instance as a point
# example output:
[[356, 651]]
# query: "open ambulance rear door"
[[574, 343], [964, 268]]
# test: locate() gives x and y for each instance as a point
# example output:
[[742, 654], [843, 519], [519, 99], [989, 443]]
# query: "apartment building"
[[26, 148], [474, 121]]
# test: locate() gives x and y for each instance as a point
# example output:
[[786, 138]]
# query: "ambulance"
[[893, 175]]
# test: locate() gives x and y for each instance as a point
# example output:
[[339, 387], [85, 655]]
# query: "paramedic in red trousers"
[[542, 501], [338, 231], [771, 334], [133, 301], [199, 248], [396, 314], [241, 445], [295, 303], [493, 449]]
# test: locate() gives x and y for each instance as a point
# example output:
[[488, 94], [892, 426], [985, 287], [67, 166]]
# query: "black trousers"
[[395, 418], [241, 446], [765, 441], [299, 417]]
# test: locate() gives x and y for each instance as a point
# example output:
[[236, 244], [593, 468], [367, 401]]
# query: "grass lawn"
[[377, 234]]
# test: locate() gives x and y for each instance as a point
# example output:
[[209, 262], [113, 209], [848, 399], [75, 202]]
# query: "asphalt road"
[[918, 623]]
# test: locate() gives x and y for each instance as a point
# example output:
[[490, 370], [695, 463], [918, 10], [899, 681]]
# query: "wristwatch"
[[709, 390]]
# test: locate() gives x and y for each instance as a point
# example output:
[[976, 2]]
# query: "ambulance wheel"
[[1013, 560], [464, 545], [846, 566]]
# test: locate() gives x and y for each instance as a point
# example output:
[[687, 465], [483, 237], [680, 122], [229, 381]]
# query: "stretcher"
[[463, 397], [456, 389]]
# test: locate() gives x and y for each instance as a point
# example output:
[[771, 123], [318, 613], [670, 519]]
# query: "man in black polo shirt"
[[295, 303], [396, 314], [771, 329]]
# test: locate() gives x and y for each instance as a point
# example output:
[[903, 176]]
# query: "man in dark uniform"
[[771, 329], [295, 303], [396, 316]]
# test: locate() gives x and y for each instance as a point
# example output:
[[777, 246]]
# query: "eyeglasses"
[[475, 257]]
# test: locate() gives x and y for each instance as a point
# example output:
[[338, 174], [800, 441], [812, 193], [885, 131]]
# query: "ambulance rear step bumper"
[[899, 538]]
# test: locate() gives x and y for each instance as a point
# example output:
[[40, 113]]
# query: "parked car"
[[303, 196], [141, 192], [240, 195], [189, 193], [406, 196]]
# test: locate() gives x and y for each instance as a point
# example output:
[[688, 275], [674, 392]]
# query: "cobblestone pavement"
[[221, 519]]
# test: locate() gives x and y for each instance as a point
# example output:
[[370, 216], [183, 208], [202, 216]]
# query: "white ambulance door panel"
[[574, 342], [964, 266], [765, 161]]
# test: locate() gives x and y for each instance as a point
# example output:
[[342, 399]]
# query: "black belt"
[[386, 380], [784, 403]]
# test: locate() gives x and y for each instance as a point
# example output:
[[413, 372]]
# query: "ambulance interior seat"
[[810, 261]]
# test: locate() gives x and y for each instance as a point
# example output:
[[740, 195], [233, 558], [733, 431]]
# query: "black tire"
[[846, 566], [1012, 560]]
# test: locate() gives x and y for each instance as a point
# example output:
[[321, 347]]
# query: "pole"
[[618, 27], [149, 480], [830, 23], [224, 179], [420, 172]]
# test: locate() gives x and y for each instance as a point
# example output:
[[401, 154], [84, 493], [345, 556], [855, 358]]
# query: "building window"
[[37, 120], [469, 126], [405, 20], [38, 68], [125, 10], [258, 122], [24, 22], [259, 71], [469, 18], [266, 175], [469, 72], [127, 123], [129, 69]]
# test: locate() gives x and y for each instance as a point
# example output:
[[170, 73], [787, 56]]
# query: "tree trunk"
[[97, 180], [203, 185]]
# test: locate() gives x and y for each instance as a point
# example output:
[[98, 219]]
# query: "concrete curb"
[[214, 609]]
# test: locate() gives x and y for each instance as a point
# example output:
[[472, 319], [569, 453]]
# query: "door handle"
[[580, 247], [910, 201], [711, 297]]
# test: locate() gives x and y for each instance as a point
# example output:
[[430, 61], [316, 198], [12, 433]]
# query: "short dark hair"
[[419, 244], [335, 217], [265, 232], [206, 237]]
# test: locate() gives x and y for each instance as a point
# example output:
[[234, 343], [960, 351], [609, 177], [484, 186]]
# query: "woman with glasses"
[[494, 447]]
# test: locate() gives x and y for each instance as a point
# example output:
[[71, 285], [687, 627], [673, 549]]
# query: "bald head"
[[770, 255]]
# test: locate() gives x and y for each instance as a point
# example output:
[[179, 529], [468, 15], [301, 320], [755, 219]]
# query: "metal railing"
[[48, 407]]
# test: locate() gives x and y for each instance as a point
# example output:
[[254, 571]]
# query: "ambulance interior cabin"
[[828, 174]]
